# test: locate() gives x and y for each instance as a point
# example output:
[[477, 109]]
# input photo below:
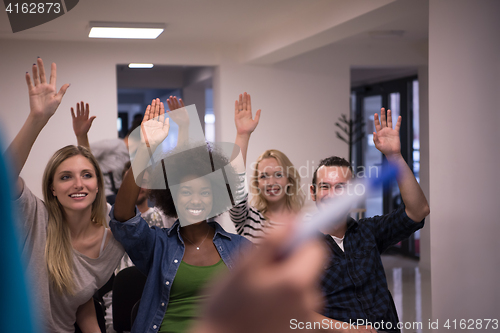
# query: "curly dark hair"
[[198, 161]]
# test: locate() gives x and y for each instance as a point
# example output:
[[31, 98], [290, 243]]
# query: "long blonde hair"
[[295, 197], [58, 248]]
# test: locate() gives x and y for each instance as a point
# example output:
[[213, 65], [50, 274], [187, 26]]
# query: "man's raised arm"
[[387, 141]]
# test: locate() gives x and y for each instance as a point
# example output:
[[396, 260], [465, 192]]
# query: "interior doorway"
[[138, 86], [401, 97]]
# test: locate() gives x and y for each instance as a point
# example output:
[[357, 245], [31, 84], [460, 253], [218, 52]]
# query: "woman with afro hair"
[[178, 261]]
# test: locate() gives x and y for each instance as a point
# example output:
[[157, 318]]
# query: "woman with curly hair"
[[178, 261], [275, 183]]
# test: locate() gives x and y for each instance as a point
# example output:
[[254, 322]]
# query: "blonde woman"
[[275, 183], [69, 252]]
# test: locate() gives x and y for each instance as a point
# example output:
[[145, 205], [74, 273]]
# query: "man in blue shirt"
[[354, 283]]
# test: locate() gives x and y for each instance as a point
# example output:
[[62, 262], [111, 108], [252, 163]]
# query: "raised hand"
[[387, 141], [44, 98], [180, 116], [386, 138], [245, 125], [43, 104], [154, 129], [81, 120], [155, 126]]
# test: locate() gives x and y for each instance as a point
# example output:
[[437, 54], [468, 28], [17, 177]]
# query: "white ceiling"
[[219, 21], [262, 31]]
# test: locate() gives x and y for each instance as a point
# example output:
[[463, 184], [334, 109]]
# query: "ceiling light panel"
[[140, 65], [125, 30]]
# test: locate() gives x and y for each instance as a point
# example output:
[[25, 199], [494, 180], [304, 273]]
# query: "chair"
[[127, 290], [135, 309], [100, 313]]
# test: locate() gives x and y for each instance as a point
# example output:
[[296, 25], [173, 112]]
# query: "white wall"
[[464, 117], [425, 233]]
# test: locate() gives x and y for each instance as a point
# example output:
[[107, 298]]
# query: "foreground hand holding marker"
[[262, 295], [335, 213]]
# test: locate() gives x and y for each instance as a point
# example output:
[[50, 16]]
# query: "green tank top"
[[186, 294]]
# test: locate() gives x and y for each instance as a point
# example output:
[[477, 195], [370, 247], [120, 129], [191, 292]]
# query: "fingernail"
[[38, 57]]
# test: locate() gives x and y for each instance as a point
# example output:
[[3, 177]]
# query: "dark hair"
[[135, 123], [127, 166], [330, 161], [182, 162]]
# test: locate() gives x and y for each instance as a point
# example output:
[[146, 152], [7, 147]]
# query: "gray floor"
[[405, 283]]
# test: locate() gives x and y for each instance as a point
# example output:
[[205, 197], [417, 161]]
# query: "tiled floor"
[[405, 281]]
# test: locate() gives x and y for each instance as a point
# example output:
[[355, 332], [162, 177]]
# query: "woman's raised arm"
[[82, 123], [154, 129], [44, 100]]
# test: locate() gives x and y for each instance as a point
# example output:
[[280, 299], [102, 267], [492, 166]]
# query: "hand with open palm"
[[81, 120], [44, 98], [154, 126], [245, 125], [386, 138], [180, 116]]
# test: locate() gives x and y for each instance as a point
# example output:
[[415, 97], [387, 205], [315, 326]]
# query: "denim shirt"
[[157, 253]]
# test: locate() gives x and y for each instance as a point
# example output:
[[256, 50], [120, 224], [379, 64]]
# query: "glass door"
[[398, 96]]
